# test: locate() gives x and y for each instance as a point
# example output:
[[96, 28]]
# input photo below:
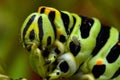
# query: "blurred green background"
[[14, 58]]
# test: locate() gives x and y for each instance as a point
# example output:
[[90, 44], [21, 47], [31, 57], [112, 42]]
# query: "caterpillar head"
[[37, 29], [37, 35], [65, 68]]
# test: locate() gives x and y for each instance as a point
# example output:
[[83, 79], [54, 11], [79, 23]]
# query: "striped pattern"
[[101, 39], [92, 37], [27, 26]]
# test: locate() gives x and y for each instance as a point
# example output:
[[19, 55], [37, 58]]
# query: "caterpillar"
[[64, 44]]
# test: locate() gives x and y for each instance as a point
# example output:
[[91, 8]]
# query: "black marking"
[[51, 18], [40, 26], [55, 63], [117, 73], [32, 35], [48, 77], [101, 39], [113, 54], [75, 49], [48, 41], [74, 21], [62, 38], [57, 73], [27, 25], [66, 21], [45, 53], [85, 27], [40, 46], [57, 51], [64, 67], [42, 10], [98, 70], [48, 69]]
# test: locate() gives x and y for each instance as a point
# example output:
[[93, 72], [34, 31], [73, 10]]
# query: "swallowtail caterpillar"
[[64, 44]]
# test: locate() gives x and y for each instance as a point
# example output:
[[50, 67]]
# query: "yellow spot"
[[99, 62], [48, 10], [59, 32]]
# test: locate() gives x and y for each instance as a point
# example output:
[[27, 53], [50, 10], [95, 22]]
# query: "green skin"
[[41, 64], [38, 62]]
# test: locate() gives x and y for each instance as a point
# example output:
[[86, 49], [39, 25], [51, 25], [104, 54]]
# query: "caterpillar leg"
[[55, 52], [4, 77], [51, 58], [64, 67], [87, 77], [37, 61], [80, 76]]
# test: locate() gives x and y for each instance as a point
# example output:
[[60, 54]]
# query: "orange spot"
[[118, 43], [48, 10], [99, 62]]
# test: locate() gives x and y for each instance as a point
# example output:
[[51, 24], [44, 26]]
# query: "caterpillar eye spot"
[[57, 73], [54, 56]]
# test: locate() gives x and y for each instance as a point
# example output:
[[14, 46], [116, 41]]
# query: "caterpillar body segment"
[[70, 44]]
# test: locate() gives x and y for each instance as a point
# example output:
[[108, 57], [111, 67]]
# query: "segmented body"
[[71, 44]]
